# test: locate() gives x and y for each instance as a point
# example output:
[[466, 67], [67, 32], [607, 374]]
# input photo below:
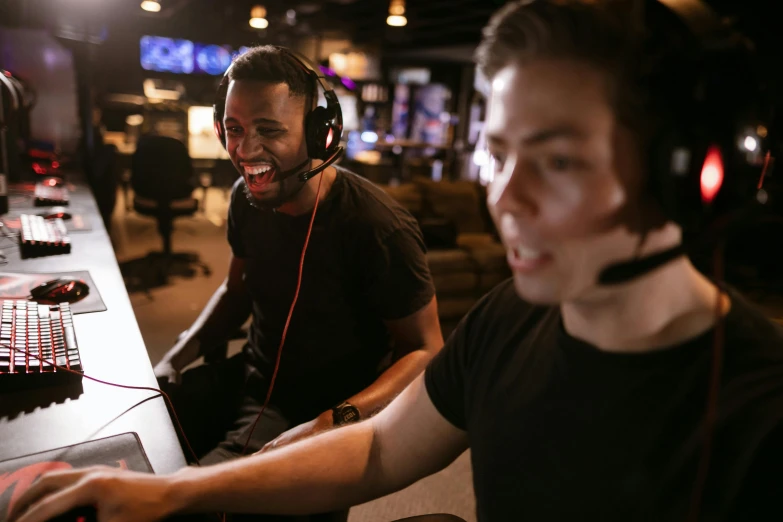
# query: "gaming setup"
[[40, 354]]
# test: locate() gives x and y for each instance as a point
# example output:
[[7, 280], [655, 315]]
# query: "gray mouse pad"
[[18, 285]]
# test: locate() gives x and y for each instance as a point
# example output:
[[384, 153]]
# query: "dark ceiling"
[[431, 23]]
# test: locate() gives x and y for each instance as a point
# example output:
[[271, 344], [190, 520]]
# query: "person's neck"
[[671, 305], [304, 200]]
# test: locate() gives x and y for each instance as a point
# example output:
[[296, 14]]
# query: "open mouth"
[[259, 176]]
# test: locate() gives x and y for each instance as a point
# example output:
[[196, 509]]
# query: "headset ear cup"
[[317, 127], [218, 108]]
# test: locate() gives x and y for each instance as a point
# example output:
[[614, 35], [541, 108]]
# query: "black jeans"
[[217, 404]]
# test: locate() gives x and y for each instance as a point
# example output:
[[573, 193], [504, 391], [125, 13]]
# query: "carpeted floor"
[[165, 311]]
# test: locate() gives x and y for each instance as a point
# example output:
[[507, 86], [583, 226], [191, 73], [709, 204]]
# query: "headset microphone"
[[304, 176]]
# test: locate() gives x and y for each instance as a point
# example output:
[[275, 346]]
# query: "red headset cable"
[[290, 314], [713, 391]]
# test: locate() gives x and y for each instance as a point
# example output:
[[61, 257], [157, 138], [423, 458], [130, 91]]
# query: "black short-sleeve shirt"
[[365, 263], [560, 430]]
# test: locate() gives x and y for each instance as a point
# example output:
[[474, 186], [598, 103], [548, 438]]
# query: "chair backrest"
[[161, 169]]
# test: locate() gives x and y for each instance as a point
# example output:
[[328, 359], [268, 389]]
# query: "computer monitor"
[[167, 54]]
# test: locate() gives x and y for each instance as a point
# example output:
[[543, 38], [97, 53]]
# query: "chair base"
[[155, 269]]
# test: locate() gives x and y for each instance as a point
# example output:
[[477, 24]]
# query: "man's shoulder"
[[501, 315], [368, 206], [753, 357], [750, 333]]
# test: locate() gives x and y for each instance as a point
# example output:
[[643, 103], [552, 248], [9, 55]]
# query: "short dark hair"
[[271, 64], [598, 34]]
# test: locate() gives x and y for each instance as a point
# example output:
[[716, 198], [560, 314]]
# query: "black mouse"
[[61, 290], [54, 215]]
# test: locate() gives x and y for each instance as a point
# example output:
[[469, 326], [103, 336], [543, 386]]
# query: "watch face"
[[346, 414]]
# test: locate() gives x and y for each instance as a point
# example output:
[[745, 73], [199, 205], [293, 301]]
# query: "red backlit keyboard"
[[47, 195], [43, 237], [30, 329]]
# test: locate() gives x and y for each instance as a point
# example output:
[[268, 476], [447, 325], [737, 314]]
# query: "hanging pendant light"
[[258, 17], [151, 5], [396, 16]]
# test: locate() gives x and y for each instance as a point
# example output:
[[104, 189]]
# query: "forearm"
[[333, 470], [390, 383], [225, 312]]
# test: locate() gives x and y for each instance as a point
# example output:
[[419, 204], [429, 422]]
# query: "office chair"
[[162, 182]]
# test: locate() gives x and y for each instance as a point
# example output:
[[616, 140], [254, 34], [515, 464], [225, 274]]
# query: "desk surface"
[[112, 349]]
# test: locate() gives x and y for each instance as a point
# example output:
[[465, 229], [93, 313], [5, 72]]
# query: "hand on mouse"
[[118, 495]]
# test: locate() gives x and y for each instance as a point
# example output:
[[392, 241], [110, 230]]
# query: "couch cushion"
[[490, 258], [454, 307], [449, 261], [454, 200], [456, 283], [408, 195]]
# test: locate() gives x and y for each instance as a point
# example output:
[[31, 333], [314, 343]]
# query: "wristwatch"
[[345, 413]]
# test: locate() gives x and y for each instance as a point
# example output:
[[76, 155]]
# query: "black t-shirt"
[[365, 263], [562, 431]]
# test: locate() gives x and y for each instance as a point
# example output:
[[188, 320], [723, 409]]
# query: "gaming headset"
[[711, 146], [323, 125]]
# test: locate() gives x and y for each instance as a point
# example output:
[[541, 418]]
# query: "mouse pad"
[[18, 285], [119, 451]]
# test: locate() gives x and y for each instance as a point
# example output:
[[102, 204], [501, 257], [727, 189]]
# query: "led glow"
[[151, 6], [711, 175], [369, 137], [259, 23], [397, 20], [329, 138], [750, 143]]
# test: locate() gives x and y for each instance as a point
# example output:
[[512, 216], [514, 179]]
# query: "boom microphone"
[[304, 176]]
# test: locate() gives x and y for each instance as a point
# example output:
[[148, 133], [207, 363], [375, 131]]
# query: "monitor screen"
[[167, 55], [212, 59]]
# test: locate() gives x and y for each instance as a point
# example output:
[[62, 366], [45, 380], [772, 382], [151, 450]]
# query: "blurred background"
[[88, 78]]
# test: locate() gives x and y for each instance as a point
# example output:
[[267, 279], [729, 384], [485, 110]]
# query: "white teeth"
[[257, 170], [527, 253]]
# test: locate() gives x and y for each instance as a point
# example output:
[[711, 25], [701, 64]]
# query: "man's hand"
[[117, 495], [165, 370], [321, 423]]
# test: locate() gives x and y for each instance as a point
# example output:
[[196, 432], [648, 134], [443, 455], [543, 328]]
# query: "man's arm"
[[226, 311], [405, 442], [417, 339]]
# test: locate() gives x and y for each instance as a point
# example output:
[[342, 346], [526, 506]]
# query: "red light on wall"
[[711, 175], [38, 169], [55, 164]]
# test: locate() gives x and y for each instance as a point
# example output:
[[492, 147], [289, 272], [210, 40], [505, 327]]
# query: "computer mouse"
[[61, 290], [54, 215]]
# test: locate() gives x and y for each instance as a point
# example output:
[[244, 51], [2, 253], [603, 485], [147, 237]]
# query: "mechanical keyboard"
[[43, 237], [28, 329], [51, 196]]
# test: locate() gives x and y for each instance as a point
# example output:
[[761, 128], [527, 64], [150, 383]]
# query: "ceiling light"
[[150, 5], [397, 21], [397, 13], [258, 17]]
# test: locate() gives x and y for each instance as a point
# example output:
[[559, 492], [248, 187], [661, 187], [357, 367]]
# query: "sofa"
[[464, 253]]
